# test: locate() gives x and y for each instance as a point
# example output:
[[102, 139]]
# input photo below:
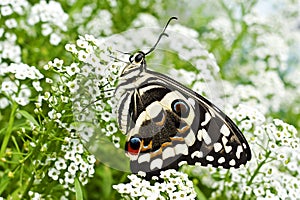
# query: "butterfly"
[[168, 124]]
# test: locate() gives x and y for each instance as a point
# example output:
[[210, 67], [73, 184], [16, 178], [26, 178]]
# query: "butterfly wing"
[[177, 125]]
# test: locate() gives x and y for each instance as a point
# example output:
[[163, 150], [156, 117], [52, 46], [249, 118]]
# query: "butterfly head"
[[136, 62], [138, 58]]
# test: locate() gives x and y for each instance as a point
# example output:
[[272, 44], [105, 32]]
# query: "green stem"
[[8, 129], [29, 185], [257, 171]]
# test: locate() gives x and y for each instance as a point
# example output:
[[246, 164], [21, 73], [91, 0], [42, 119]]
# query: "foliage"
[[57, 76]]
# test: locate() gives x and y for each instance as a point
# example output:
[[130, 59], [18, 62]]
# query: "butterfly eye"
[[139, 57], [180, 108], [133, 146]]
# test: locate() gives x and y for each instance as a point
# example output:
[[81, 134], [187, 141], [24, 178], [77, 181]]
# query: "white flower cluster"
[[92, 89], [272, 172], [175, 185], [14, 87], [8, 47], [257, 54], [35, 195], [99, 24], [74, 164], [8, 7], [52, 17]]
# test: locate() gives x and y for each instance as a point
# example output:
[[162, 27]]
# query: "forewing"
[[192, 131]]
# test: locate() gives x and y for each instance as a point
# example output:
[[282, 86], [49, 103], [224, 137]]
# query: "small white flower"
[[111, 128], [91, 159], [69, 178], [259, 191], [53, 173], [78, 159], [83, 167], [58, 63], [135, 192], [246, 124], [37, 86], [106, 116], [48, 80], [78, 148], [9, 87], [178, 195], [23, 101], [3, 102], [116, 140], [123, 188], [72, 69], [82, 56], [55, 39], [11, 23], [60, 164], [70, 155], [82, 43], [71, 48], [91, 171], [72, 168], [83, 179], [6, 10], [46, 29], [73, 86]]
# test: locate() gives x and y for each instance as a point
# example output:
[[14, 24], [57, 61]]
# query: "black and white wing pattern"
[[167, 124]]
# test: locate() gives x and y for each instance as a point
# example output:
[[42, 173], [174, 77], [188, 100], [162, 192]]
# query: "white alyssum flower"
[[271, 148], [73, 69], [140, 188]]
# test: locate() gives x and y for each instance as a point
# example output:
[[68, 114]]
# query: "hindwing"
[[172, 124]]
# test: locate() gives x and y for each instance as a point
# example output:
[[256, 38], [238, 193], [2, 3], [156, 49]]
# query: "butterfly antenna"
[[127, 53], [118, 59], [162, 34]]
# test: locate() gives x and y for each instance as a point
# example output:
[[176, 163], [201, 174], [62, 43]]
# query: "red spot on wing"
[[131, 150]]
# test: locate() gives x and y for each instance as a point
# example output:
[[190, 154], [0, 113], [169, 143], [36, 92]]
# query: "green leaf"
[[3, 183], [78, 188], [200, 194], [107, 181], [29, 117]]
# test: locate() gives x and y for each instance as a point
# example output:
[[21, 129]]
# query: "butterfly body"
[[168, 124]]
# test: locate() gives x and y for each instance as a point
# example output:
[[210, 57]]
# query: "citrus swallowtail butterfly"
[[168, 124]]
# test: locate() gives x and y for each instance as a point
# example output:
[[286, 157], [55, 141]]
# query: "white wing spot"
[[144, 158], [200, 135], [157, 163], [225, 130], [224, 140], [217, 147], [190, 138], [244, 145], [239, 150], [206, 137], [210, 158], [221, 160], [232, 162], [198, 154], [168, 152], [207, 119], [154, 109], [228, 149], [181, 149]]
